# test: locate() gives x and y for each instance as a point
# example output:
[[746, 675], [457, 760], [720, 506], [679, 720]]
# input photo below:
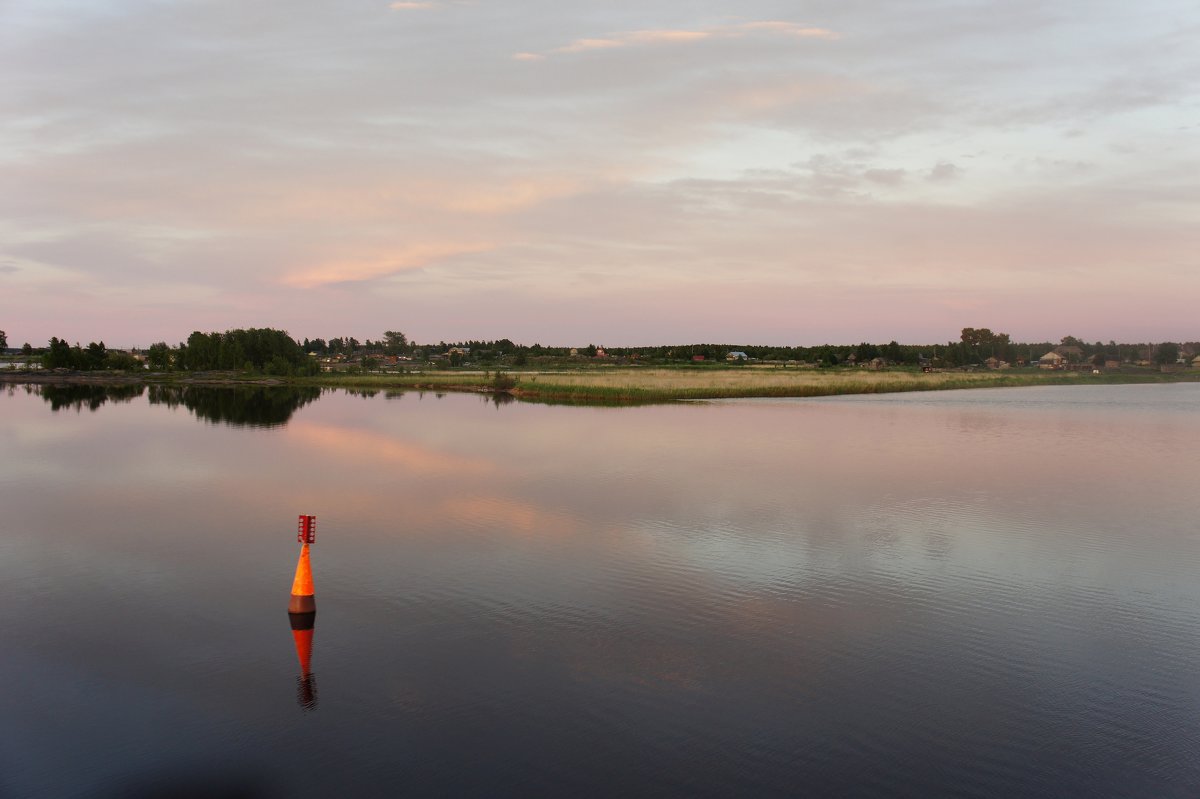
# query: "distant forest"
[[275, 352]]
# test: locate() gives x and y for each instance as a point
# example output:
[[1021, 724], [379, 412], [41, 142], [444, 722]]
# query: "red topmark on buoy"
[[307, 533]]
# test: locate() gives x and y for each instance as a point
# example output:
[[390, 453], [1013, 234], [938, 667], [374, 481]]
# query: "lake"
[[985, 593]]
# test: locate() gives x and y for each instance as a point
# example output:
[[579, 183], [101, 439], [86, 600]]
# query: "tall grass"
[[641, 386]]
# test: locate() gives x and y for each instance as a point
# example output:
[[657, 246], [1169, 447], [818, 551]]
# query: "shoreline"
[[622, 387]]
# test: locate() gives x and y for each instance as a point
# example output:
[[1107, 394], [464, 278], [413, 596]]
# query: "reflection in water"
[[89, 396], [260, 406], [302, 634], [499, 398]]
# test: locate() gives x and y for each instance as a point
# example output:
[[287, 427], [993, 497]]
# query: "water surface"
[[973, 593]]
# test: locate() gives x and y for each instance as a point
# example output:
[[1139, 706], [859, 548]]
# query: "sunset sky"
[[616, 173]]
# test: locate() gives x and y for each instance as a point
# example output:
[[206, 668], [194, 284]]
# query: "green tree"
[[158, 357], [57, 355], [121, 361], [1167, 352], [3, 339], [394, 342], [865, 352], [97, 353]]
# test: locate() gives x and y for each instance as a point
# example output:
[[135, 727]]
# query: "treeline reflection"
[[238, 406], [77, 397]]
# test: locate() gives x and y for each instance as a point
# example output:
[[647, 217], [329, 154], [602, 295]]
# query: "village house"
[[1070, 353], [1051, 360]]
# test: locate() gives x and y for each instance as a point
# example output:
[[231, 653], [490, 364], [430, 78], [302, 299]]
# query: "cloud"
[[354, 270], [886, 177], [789, 28], [651, 37], [580, 45], [944, 171]]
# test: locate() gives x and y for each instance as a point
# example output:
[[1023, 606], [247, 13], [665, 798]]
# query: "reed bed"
[[643, 385]]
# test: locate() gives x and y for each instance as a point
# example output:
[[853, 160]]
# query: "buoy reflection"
[[302, 634]]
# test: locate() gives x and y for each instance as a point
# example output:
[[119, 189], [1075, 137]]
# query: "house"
[[1070, 352], [737, 355], [1196, 362], [697, 357], [1051, 360]]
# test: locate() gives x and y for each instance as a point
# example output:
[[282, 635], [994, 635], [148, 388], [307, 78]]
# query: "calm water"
[[984, 593]]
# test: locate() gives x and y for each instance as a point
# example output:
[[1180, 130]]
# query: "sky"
[[618, 173]]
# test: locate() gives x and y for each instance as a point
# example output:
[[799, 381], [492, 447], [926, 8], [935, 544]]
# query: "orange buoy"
[[302, 614], [303, 599]]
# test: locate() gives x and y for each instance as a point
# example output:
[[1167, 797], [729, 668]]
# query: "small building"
[[1051, 360], [697, 358], [737, 355]]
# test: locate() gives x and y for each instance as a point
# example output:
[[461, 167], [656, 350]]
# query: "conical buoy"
[[302, 614], [303, 601]]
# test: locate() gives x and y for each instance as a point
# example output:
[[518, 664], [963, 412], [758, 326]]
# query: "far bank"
[[636, 385]]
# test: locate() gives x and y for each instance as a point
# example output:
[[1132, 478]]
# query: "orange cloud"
[[580, 45], [790, 28], [667, 36], [633, 38], [369, 268], [511, 196]]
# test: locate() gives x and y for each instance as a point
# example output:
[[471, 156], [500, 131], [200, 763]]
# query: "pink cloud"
[[790, 28], [670, 36], [352, 270]]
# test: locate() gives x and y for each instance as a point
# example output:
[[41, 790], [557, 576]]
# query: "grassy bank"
[[616, 386], [645, 385], [666, 386]]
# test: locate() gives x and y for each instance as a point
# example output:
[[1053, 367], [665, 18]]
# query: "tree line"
[[275, 352]]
